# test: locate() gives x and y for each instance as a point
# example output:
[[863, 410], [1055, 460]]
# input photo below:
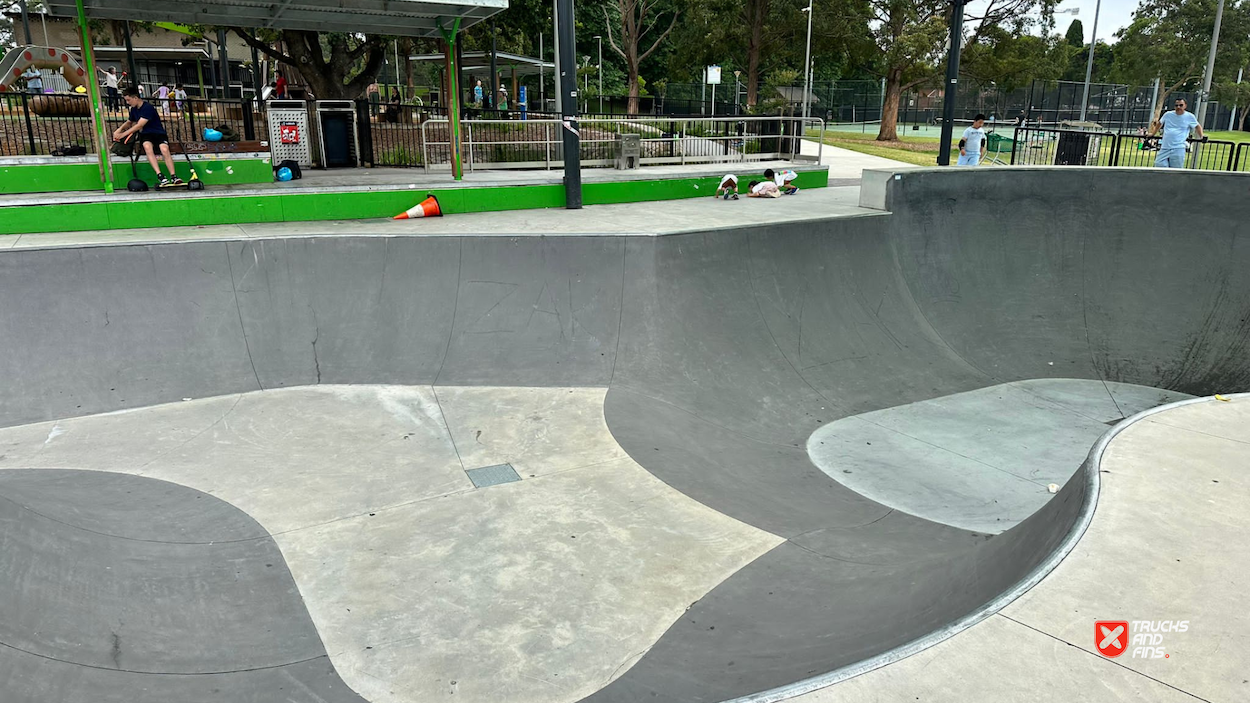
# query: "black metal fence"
[[38, 125], [1116, 107], [1241, 157], [1065, 147]]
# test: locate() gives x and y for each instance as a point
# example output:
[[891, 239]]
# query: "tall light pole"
[[1089, 64], [586, 80], [807, 60], [952, 81], [1232, 119], [599, 70], [1206, 77], [737, 93], [567, 84]]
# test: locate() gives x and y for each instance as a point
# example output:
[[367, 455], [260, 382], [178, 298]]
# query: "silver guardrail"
[[538, 144]]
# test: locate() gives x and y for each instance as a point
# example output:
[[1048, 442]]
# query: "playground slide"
[[19, 59]]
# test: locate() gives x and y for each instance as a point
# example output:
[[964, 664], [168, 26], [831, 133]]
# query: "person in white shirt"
[[34, 80], [972, 145], [1176, 127], [728, 188], [112, 97]]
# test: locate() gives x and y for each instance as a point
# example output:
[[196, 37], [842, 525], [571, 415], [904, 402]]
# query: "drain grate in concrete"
[[492, 475]]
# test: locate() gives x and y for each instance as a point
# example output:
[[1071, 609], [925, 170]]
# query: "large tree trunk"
[[405, 50], [634, 90], [333, 78], [757, 15], [889, 111], [633, 26]]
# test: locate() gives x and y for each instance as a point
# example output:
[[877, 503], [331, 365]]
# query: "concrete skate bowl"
[[923, 342]]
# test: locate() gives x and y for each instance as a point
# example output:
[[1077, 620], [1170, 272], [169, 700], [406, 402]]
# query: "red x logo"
[[1111, 637]]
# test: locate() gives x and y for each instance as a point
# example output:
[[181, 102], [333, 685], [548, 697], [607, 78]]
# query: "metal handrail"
[[684, 134]]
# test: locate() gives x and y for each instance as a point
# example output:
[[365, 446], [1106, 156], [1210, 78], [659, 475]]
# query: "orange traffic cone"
[[427, 208]]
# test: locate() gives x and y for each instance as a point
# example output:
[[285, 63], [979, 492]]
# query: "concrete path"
[[844, 163], [1169, 542], [649, 219]]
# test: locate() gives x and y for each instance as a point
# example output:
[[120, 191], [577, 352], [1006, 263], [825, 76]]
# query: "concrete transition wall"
[[723, 352]]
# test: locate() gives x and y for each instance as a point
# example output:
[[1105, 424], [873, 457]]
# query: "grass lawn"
[[887, 150], [921, 151], [1225, 136]]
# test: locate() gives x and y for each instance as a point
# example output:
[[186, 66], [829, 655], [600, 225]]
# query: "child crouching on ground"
[[784, 180], [764, 189], [728, 188]]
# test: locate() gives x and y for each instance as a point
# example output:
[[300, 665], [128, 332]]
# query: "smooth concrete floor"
[[982, 460], [1170, 540], [420, 585]]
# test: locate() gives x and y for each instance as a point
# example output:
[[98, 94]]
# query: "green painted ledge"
[[184, 209], [62, 178]]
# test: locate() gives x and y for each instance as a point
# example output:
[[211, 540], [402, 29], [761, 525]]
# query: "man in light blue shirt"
[[1176, 126]]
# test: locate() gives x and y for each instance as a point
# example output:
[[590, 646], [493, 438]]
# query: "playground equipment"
[[49, 58], [15, 63]]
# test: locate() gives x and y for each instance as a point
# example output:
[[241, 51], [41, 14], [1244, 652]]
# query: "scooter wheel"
[[195, 185]]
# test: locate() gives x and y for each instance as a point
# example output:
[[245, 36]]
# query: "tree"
[[1169, 39], [756, 12], [1236, 94], [1010, 59], [1075, 35], [335, 66], [1078, 61], [760, 37], [636, 19], [910, 37]]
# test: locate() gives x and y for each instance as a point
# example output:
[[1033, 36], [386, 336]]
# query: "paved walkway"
[[1169, 541], [652, 218]]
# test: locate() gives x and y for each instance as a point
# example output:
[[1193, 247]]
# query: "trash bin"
[[1073, 149], [336, 124], [289, 137], [628, 151]]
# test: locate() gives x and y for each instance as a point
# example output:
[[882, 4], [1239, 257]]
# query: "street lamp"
[[807, 60], [1089, 64], [737, 92], [599, 70], [1206, 77], [585, 80]]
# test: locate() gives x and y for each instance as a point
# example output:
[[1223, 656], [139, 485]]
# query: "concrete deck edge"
[[1091, 466]]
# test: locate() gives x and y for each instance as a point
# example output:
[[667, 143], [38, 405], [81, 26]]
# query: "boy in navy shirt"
[[145, 121]]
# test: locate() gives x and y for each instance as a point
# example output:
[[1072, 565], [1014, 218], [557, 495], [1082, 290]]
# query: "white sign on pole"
[[713, 75]]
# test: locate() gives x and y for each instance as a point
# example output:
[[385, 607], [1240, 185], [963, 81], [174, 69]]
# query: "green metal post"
[[93, 90], [453, 102]]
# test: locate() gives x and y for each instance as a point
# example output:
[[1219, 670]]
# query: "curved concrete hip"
[[723, 353]]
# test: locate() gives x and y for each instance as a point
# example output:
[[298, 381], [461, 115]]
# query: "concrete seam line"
[[1093, 485]]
